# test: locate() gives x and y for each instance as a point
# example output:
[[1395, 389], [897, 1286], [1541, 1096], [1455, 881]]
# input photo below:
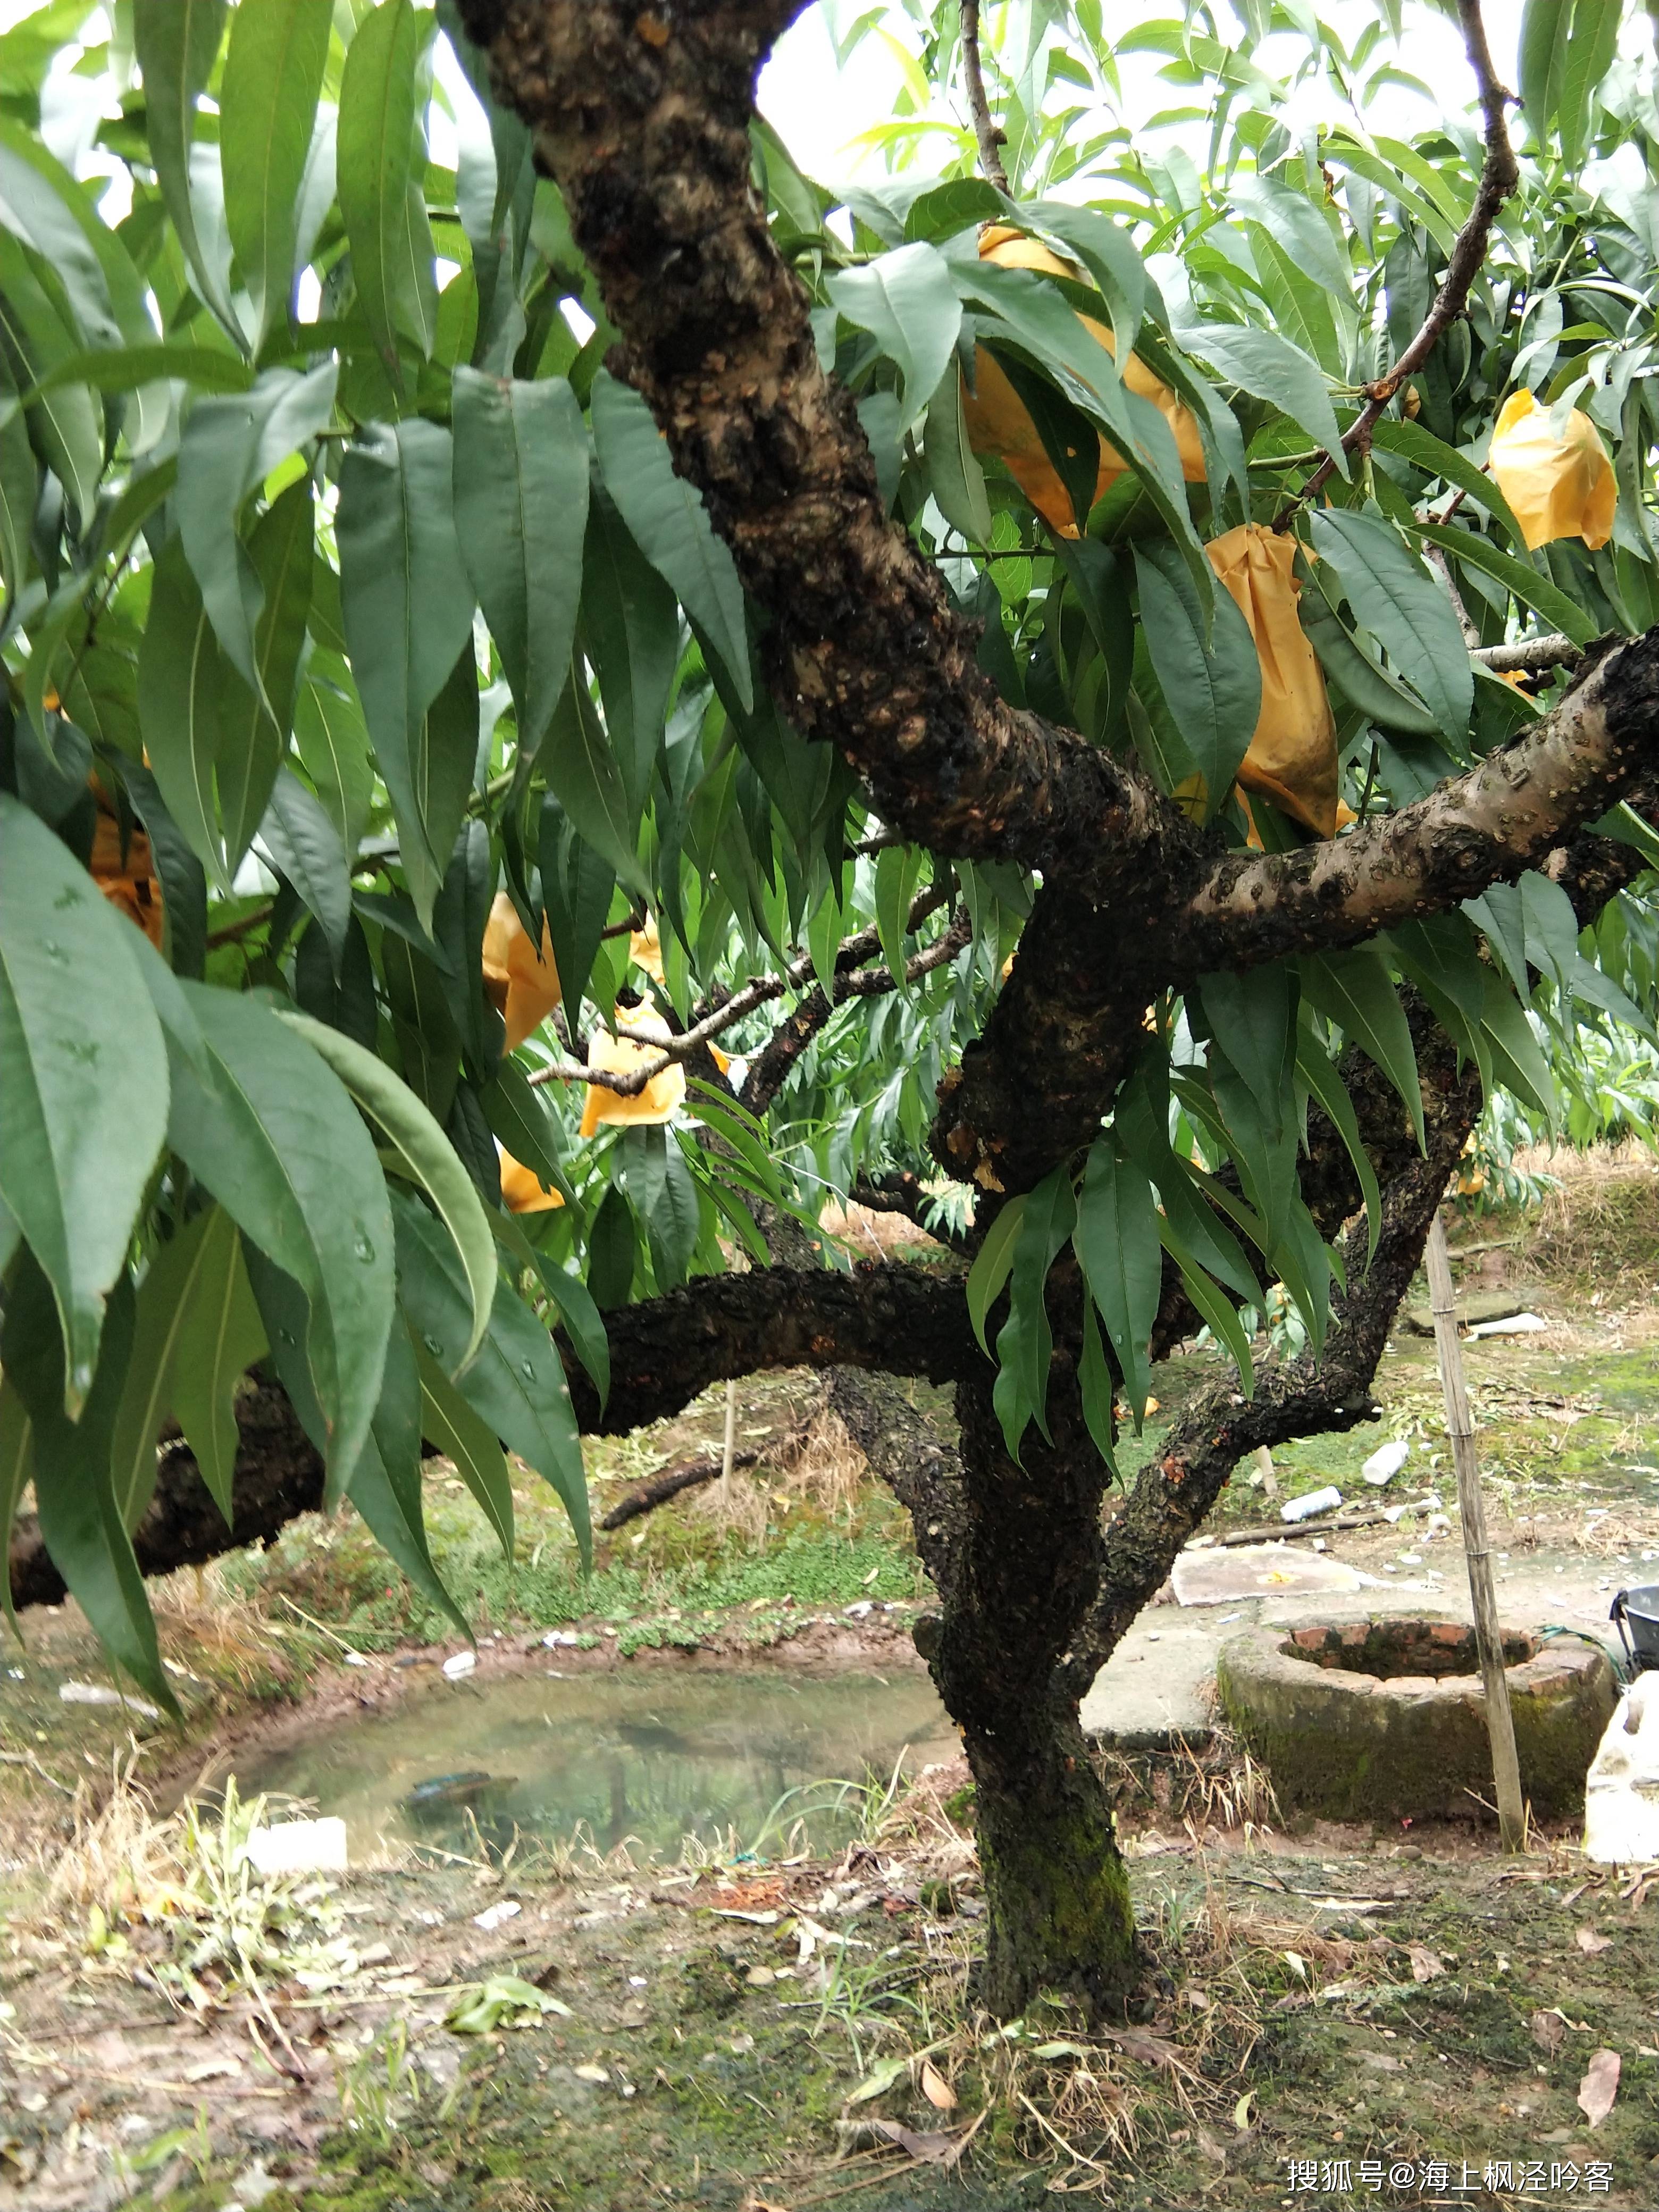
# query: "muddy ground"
[[1401, 2000]]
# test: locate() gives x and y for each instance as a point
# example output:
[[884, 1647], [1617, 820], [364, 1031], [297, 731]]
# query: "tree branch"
[[991, 136], [725, 1013], [1172, 1494], [649, 144], [1499, 175]]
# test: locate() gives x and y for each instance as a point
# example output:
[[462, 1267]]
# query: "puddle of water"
[[652, 1756]]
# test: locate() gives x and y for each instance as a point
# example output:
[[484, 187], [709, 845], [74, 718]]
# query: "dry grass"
[[813, 1464], [1598, 1228]]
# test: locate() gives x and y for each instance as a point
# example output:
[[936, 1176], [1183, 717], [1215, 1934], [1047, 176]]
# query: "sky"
[[818, 109]]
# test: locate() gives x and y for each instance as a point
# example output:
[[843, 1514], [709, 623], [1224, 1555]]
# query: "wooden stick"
[[1489, 1640], [731, 1438]]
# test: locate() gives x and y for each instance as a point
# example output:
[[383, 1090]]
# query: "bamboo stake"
[[1489, 1641], [727, 1455]]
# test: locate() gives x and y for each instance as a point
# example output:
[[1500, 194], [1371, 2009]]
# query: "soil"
[[1398, 1995]]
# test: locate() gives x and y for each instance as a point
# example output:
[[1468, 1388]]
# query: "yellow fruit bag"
[[611, 1056], [523, 987], [1292, 754], [997, 422], [1558, 487], [521, 1190], [130, 886]]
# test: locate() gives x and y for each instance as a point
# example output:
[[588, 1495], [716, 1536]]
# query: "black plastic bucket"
[[1636, 1615]]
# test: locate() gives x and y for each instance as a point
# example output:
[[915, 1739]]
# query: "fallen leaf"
[[878, 2079], [590, 2074], [937, 2090], [928, 2149], [1149, 2050], [1590, 1942], [755, 1919], [1548, 2031], [1298, 1965], [1244, 2111], [1598, 2086], [1425, 1964]]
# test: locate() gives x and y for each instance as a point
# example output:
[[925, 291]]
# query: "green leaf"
[[1517, 1060], [1216, 1309], [898, 870], [671, 525], [665, 1198], [521, 473], [408, 609], [1025, 1341], [469, 1442], [630, 630], [231, 445], [1214, 693], [179, 690], [1140, 1119], [386, 1483], [159, 1324], [425, 1152], [1355, 990], [74, 1497], [304, 847], [516, 1381], [221, 1337], [129, 367], [1271, 368], [253, 724], [992, 1263], [176, 43], [274, 1135], [65, 420], [267, 106], [906, 299], [1436, 458], [1395, 598], [517, 1110], [1377, 694], [1324, 1080], [1109, 254], [1121, 1256], [19, 494], [954, 474], [380, 173], [582, 774], [1253, 1016], [1099, 1389], [1518, 576], [332, 739], [16, 1472], [83, 1079]]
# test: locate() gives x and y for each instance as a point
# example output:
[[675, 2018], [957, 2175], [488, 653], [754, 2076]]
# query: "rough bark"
[[278, 1476], [1015, 1554]]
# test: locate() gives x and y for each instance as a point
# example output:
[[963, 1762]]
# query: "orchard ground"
[[1329, 1994]]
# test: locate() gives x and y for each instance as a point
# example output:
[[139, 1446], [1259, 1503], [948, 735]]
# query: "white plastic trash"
[[299, 1847], [1621, 1791], [1310, 1503], [1523, 1324], [1385, 1463], [99, 1693], [460, 1662]]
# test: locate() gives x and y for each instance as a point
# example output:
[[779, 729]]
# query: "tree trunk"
[[1021, 1579]]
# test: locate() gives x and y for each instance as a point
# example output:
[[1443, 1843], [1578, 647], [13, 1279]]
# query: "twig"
[[233, 930], [991, 135], [668, 1482], [856, 984], [1529, 655], [1499, 176]]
